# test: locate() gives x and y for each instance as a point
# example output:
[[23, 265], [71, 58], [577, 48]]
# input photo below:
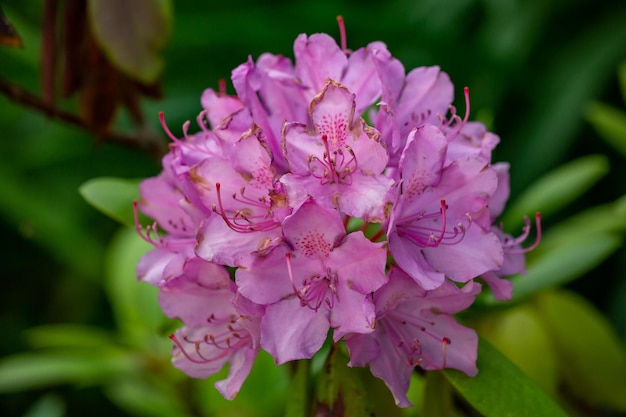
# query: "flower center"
[[254, 216], [315, 290], [405, 331], [210, 346], [431, 229], [337, 164]]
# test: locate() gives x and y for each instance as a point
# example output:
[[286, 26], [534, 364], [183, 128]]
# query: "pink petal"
[[290, 331]]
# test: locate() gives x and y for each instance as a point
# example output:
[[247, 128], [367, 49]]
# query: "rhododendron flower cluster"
[[333, 196]]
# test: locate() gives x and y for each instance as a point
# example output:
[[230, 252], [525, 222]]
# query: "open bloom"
[[415, 327], [320, 278], [263, 218], [340, 160]]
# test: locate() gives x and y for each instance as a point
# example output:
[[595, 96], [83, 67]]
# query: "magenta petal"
[[478, 252], [353, 313], [361, 76], [360, 263], [313, 230], [501, 288], [427, 93], [318, 58], [290, 331], [414, 263], [159, 265], [239, 369], [395, 373], [460, 351], [219, 106], [266, 279], [220, 244], [501, 195]]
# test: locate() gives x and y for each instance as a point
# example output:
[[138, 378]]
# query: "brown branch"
[[150, 143]]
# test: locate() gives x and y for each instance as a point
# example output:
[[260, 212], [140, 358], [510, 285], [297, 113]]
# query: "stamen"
[[150, 229], [224, 347], [414, 230], [342, 34], [465, 118], [444, 342], [315, 289], [242, 220], [405, 331], [222, 86], [167, 130], [525, 232]]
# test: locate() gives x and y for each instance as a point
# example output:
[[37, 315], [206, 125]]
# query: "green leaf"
[[51, 221], [339, 388], [520, 334], [134, 304], [438, 398], [298, 398], [592, 359], [599, 219], [113, 197], [557, 189], [42, 369], [132, 34], [559, 95], [262, 395], [500, 389], [621, 76], [560, 265], [49, 405], [140, 398], [67, 335], [610, 124]]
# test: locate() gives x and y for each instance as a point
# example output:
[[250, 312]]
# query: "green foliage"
[[592, 361], [500, 389], [113, 197], [557, 189]]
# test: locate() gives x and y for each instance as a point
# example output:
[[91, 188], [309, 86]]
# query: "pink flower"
[[320, 278], [265, 191], [339, 160], [439, 222], [415, 327]]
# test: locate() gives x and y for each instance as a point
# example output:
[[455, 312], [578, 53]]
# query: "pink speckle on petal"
[[335, 128], [416, 184], [313, 244], [263, 177]]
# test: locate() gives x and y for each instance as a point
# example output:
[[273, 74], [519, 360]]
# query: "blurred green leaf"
[[592, 359], [621, 76], [557, 189], [134, 304], [599, 219], [49, 405], [519, 334], [570, 80], [610, 124], [139, 398], [500, 389], [132, 34], [262, 395], [52, 223], [438, 398], [68, 335], [338, 388], [560, 265], [297, 402], [113, 197], [42, 369]]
